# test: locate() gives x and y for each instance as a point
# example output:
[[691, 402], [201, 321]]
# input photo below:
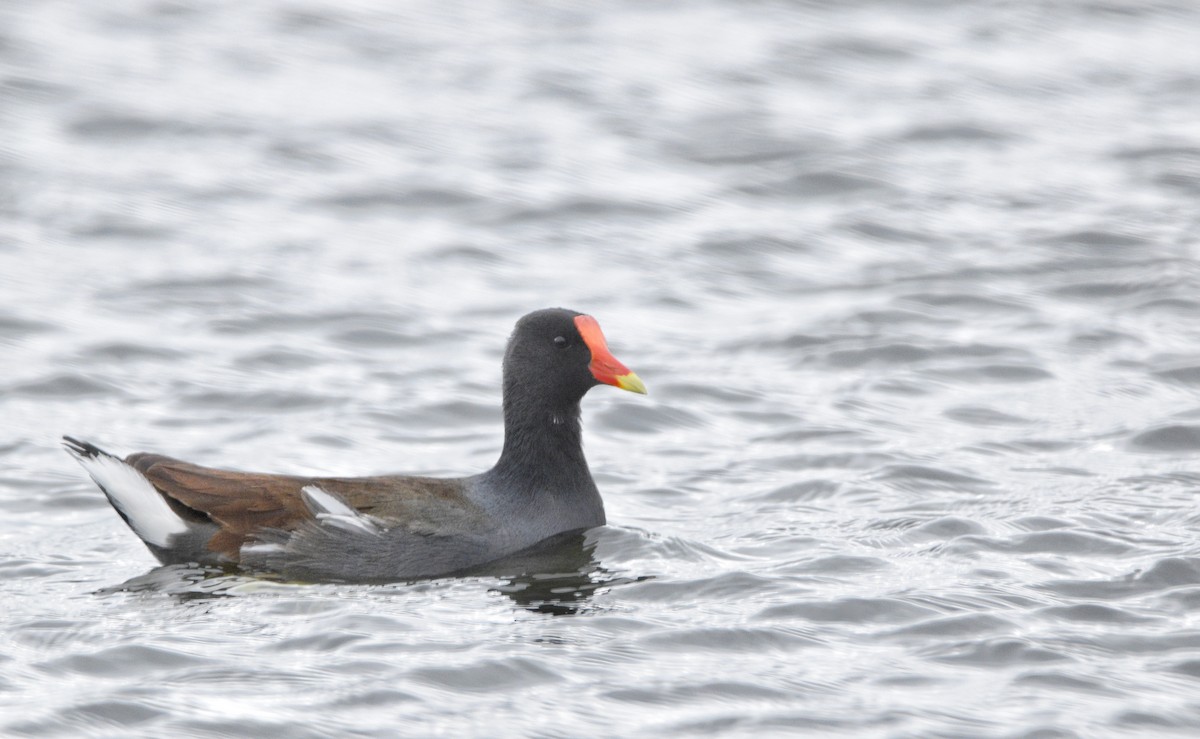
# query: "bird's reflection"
[[558, 577]]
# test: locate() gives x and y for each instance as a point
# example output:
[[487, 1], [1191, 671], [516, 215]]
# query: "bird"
[[390, 527]]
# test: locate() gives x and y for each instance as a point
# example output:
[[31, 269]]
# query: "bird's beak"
[[604, 366]]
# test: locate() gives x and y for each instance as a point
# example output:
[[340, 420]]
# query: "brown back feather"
[[241, 503]]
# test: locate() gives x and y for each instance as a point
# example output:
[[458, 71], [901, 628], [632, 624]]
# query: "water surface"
[[913, 286]]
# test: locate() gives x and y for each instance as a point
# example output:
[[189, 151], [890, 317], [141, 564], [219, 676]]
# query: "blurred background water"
[[914, 287]]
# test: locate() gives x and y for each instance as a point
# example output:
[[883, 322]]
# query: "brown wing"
[[241, 503], [238, 502]]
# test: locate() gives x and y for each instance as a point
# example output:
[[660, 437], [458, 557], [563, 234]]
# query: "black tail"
[[83, 448]]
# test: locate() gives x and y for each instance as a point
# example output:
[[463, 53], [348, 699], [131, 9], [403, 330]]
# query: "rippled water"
[[914, 287]]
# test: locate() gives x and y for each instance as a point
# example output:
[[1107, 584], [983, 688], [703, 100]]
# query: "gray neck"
[[543, 446], [542, 467]]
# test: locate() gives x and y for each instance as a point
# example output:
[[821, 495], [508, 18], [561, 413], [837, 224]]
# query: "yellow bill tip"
[[632, 383]]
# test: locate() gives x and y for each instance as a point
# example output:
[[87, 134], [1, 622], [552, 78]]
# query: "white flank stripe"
[[259, 548], [330, 509], [147, 512]]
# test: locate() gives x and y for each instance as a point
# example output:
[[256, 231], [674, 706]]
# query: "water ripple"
[[913, 287]]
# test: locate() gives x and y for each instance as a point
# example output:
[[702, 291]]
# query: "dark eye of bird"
[[560, 341]]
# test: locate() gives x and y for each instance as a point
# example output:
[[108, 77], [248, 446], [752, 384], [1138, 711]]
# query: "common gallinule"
[[391, 527]]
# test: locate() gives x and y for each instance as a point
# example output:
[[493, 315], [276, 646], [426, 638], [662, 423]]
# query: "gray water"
[[914, 287]]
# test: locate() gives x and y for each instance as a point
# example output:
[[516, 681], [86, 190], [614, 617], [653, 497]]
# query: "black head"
[[559, 354]]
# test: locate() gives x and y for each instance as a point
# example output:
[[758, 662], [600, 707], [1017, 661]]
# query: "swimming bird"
[[390, 527]]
